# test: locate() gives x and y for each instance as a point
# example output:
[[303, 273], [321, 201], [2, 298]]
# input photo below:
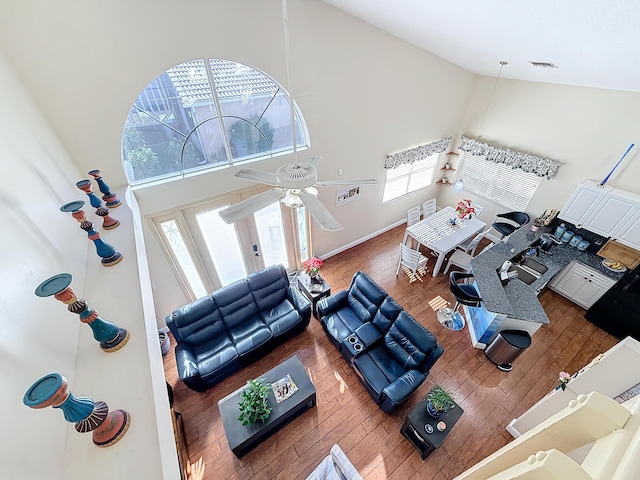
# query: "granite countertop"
[[517, 299]]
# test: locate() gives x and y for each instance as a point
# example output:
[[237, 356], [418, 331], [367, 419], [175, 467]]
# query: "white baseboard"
[[363, 239]]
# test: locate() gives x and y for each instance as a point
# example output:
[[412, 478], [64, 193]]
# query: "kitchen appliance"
[[618, 310]]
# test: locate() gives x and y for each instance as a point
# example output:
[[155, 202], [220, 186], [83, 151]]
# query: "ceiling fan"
[[294, 182], [295, 187]]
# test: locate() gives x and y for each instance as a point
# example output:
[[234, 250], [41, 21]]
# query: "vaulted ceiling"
[[594, 43]]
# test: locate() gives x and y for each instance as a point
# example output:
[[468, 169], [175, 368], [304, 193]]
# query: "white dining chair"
[[429, 207], [478, 209], [412, 262], [413, 215], [461, 258]]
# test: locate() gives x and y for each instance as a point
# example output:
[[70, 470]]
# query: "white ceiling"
[[594, 43]]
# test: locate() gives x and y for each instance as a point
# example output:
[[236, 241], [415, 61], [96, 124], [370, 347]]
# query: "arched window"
[[203, 114]]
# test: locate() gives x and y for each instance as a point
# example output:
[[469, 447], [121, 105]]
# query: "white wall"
[[37, 241], [40, 336], [587, 129]]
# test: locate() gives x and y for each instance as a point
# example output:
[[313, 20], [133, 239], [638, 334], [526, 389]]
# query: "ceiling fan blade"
[[314, 161], [319, 212], [331, 183], [258, 176], [251, 205]]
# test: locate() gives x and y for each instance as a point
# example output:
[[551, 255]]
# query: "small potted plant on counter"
[[253, 404], [439, 401]]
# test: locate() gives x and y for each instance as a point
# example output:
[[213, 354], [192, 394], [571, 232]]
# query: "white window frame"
[[510, 187], [415, 171]]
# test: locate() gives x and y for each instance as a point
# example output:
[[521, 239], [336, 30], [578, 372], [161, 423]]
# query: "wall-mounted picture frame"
[[347, 194]]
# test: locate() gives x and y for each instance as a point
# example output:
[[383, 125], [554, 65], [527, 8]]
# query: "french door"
[[207, 253]]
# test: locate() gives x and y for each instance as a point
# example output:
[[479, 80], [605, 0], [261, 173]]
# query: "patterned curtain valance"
[[542, 167], [416, 153]]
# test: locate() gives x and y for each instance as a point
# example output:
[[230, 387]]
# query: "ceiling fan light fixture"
[[292, 199]]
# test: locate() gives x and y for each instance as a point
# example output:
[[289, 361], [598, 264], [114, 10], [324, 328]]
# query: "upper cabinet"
[[583, 202], [607, 211]]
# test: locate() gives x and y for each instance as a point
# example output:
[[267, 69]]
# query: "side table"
[[314, 290], [414, 429]]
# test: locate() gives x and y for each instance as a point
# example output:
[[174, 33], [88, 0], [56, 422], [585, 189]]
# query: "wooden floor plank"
[[345, 413]]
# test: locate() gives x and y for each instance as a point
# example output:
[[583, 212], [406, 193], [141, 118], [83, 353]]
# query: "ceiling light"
[[543, 65]]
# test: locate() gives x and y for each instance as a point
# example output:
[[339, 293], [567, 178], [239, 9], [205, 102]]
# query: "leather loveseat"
[[389, 350], [219, 334]]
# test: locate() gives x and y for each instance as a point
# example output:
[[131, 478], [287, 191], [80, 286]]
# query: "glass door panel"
[[223, 246], [271, 236], [183, 257]]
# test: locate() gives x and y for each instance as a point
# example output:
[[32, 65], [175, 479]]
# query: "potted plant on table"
[[465, 209], [253, 404], [312, 267], [439, 401]]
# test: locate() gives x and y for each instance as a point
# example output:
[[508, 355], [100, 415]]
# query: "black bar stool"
[[515, 221], [464, 294]]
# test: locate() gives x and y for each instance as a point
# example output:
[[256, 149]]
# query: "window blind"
[[510, 187]]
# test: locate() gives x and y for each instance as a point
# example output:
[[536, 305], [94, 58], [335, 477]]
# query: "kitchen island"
[[515, 305]]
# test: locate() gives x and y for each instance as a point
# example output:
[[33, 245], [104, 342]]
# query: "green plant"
[[440, 399], [253, 404]]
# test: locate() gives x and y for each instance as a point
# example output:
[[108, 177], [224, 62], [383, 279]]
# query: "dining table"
[[442, 232]]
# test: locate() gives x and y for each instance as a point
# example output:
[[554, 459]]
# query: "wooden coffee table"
[[243, 438]]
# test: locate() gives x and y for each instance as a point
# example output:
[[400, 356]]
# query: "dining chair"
[[429, 207], [413, 215], [412, 262], [478, 209], [461, 258]]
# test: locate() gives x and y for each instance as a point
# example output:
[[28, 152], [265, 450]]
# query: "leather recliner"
[[221, 333], [397, 358]]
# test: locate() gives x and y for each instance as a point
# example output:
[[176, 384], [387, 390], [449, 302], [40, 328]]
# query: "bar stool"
[[464, 294], [515, 221]]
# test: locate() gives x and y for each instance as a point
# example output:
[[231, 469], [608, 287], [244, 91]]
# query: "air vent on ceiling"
[[543, 65]]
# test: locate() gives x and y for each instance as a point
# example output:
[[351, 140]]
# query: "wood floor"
[[346, 414]]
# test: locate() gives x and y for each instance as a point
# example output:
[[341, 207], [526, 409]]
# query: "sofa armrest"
[[187, 366], [403, 386], [299, 302], [332, 303], [436, 353]]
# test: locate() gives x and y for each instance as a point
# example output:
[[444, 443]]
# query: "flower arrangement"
[[312, 266], [564, 378], [465, 209]]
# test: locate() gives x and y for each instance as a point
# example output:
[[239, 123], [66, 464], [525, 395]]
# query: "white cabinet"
[[629, 234], [581, 284], [611, 214], [604, 210], [583, 202]]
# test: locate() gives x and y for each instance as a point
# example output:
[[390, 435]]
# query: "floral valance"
[[416, 153], [542, 167]]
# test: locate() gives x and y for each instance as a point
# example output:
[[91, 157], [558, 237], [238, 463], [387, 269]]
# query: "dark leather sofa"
[[219, 334], [395, 352]]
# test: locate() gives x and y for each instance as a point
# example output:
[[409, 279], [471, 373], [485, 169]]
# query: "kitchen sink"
[[529, 270]]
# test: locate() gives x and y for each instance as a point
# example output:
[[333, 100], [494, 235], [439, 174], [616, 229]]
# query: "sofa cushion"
[[340, 324], [387, 314], [213, 358], [281, 317], [409, 342], [198, 323], [269, 286], [365, 296], [240, 315], [378, 369]]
